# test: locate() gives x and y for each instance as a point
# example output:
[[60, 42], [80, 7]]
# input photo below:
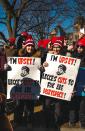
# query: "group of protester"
[[24, 46]]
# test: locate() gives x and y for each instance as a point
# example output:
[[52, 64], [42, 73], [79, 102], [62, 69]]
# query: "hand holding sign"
[[2, 97], [45, 64]]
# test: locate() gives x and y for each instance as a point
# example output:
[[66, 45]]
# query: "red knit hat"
[[12, 41], [29, 36], [24, 34], [81, 42], [53, 39], [43, 43], [58, 41], [28, 42]]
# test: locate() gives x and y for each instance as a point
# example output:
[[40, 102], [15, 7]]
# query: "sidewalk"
[[38, 118], [64, 127], [43, 129]]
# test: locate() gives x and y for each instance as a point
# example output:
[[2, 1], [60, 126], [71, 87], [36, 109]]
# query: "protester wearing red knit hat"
[[55, 114], [80, 53], [28, 50], [10, 48], [28, 42], [11, 42], [60, 38], [81, 42], [57, 47], [22, 38], [28, 47], [81, 47]]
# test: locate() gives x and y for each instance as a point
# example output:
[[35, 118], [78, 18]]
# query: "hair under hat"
[[24, 34], [28, 42], [58, 43]]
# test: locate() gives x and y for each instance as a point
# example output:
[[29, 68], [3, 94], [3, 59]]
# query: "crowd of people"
[[24, 46]]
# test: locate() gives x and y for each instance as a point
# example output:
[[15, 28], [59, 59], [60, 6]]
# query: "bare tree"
[[39, 16], [12, 11]]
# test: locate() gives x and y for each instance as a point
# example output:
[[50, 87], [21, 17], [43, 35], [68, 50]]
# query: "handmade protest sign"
[[59, 77], [24, 78]]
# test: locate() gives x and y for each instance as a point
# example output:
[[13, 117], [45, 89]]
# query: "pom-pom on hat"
[[28, 42], [25, 34]]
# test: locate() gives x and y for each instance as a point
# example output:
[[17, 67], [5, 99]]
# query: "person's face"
[[56, 49], [60, 70], [11, 46], [24, 73], [80, 49], [30, 49]]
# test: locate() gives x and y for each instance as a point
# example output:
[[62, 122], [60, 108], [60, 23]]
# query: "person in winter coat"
[[5, 125], [53, 120], [10, 48], [81, 55], [28, 51]]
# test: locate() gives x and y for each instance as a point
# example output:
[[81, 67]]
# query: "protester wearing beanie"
[[22, 38], [57, 45], [28, 50], [27, 47], [80, 53], [10, 48]]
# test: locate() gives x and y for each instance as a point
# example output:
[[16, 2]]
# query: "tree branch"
[[7, 7], [13, 4], [3, 36]]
